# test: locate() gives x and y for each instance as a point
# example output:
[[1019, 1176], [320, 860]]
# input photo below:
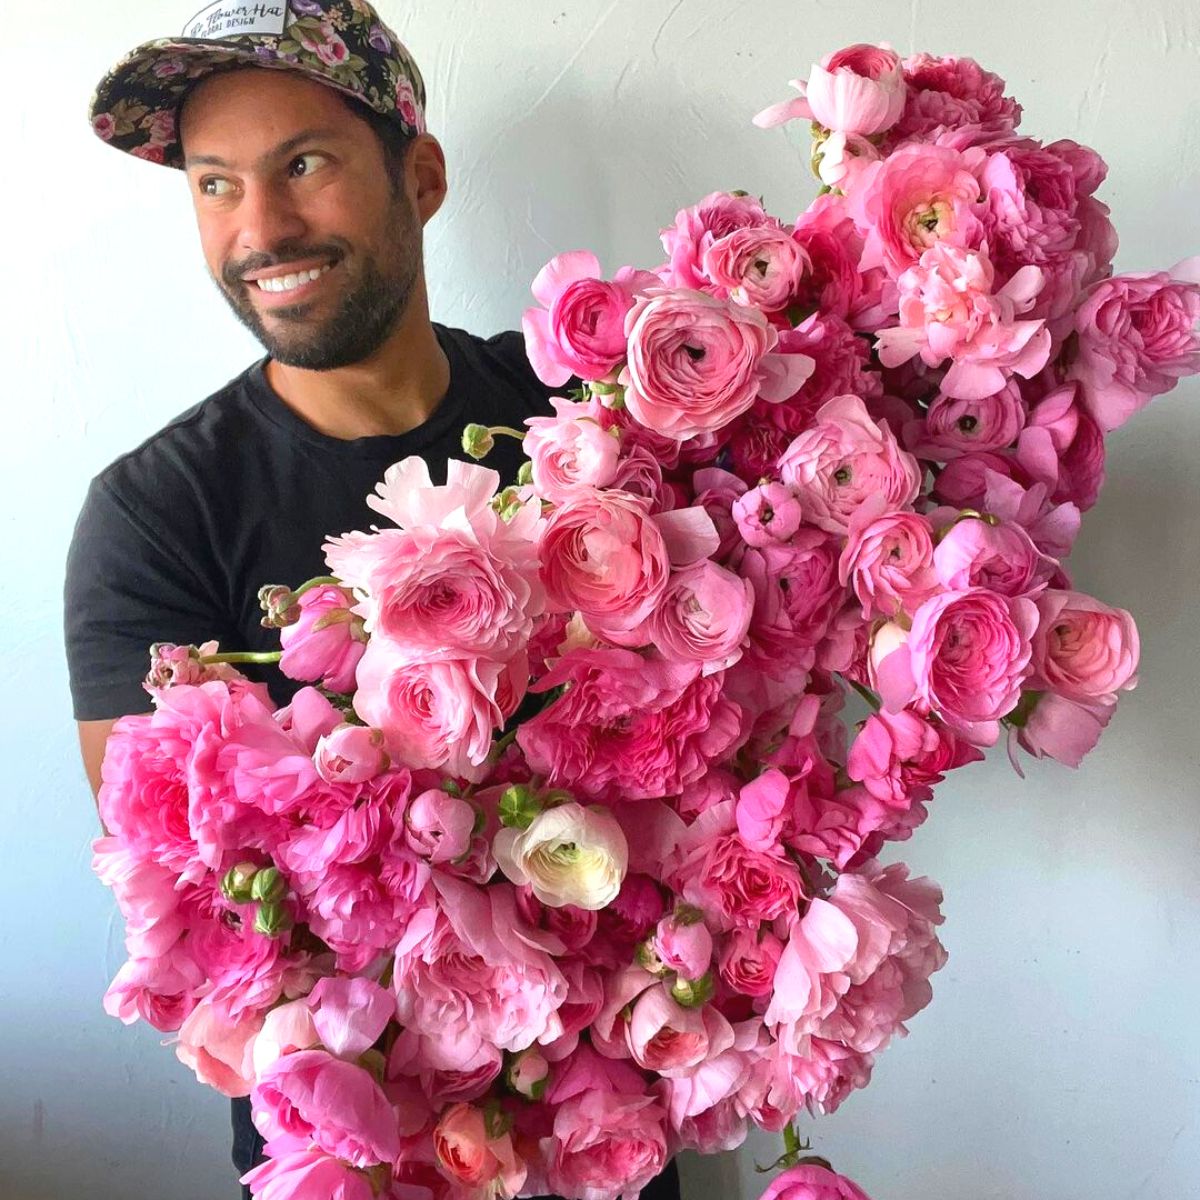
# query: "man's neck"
[[393, 391]]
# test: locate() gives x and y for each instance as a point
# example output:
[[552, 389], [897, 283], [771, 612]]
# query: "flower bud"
[[238, 883], [525, 474], [268, 885], [527, 1074], [693, 993], [684, 944], [279, 606], [648, 959], [477, 441], [518, 806], [350, 754], [272, 919]]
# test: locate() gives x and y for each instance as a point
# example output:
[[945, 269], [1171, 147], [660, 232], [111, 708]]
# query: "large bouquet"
[[566, 860]]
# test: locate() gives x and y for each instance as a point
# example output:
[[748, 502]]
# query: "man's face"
[[316, 249]]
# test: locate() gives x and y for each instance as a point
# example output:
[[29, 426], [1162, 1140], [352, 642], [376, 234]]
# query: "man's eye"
[[306, 164], [214, 185]]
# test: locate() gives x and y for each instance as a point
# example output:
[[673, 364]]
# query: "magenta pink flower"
[[949, 310], [758, 265], [768, 513], [1083, 649], [571, 451], [695, 229], [697, 363], [858, 89], [952, 427], [1138, 335], [844, 459], [703, 616], [327, 641], [888, 561], [439, 826], [580, 327], [748, 960], [955, 95], [812, 1183]]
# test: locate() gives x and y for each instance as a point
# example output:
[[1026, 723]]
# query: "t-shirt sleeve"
[[126, 587]]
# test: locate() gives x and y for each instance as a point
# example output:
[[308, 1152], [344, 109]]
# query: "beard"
[[374, 298]]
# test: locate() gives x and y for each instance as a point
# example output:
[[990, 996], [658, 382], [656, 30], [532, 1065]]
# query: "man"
[[301, 133]]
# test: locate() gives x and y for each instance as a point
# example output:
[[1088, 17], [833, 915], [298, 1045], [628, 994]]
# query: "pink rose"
[[351, 754], [603, 555], [703, 616], [812, 1183], [760, 265], [433, 714], [954, 94], [844, 459], [917, 198], [697, 363], [888, 561], [406, 104], [606, 1142], [695, 229], [471, 1155], [219, 1050], [308, 1175], [967, 657], [326, 642], [439, 826], [570, 451], [748, 961], [1138, 336], [683, 943], [858, 89], [580, 328], [1083, 649], [950, 310]]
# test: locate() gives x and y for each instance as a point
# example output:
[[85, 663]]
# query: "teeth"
[[288, 283]]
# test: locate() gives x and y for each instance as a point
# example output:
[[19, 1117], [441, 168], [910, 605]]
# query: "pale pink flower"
[[327, 641], [697, 363], [664, 1036], [768, 513], [438, 826], [287, 1028], [703, 616], [308, 1175], [858, 89], [219, 1050], [759, 265], [1138, 335], [349, 1013], [470, 1155], [683, 944], [844, 459], [888, 560], [950, 310], [1063, 729], [351, 754], [696, 228], [161, 991], [1084, 650], [917, 198], [992, 554], [580, 327], [570, 450]]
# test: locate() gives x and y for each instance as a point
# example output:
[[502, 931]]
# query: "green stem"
[[791, 1140], [870, 697], [506, 431], [314, 582], [243, 656], [502, 744]]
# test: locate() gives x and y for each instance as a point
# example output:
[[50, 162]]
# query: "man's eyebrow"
[[275, 153]]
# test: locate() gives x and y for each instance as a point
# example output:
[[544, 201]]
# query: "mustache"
[[260, 260]]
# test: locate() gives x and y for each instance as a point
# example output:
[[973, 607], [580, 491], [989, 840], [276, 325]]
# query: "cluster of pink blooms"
[[789, 550]]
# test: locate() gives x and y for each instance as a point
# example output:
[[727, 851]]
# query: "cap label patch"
[[224, 19]]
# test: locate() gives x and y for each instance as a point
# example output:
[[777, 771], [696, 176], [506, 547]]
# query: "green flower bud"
[[525, 474], [268, 885], [477, 441], [693, 993], [518, 806], [238, 883], [648, 960], [272, 919]]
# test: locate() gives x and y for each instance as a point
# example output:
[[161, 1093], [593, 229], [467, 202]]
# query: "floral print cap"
[[341, 43]]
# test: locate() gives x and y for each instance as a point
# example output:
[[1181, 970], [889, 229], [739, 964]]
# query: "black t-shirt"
[[176, 537]]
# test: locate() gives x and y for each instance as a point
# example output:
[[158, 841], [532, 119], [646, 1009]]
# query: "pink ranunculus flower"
[[950, 310], [759, 265], [580, 327], [311, 1098], [438, 826], [664, 1036], [171, 665], [955, 95], [697, 363], [327, 641], [1062, 446], [951, 428], [351, 754], [888, 561], [349, 1013], [1138, 335], [917, 198], [697, 227], [859, 89], [703, 616], [748, 960], [308, 1175], [161, 991], [433, 714], [606, 1143], [604, 556], [1084, 650], [1063, 729], [570, 451], [285, 1029], [474, 1157], [992, 554], [844, 459], [967, 657], [683, 943], [768, 513], [812, 1183], [219, 1050]]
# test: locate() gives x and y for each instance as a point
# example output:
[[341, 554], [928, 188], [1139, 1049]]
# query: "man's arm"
[[92, 736]]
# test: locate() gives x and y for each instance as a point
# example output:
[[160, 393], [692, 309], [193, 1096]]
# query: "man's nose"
[[268, 218]]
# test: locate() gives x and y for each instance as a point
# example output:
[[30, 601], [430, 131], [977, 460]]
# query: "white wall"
[[1060, 1058]]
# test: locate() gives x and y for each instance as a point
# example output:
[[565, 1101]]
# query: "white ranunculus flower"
[[568, 855]]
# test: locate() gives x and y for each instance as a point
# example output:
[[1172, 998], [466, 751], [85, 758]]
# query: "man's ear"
[[425, 175]]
